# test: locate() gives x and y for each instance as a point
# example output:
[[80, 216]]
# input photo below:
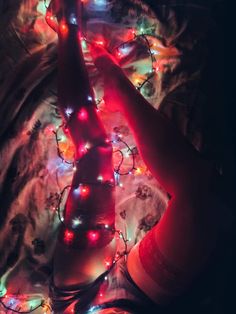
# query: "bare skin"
[[82, 263], [187, 234], [175, 164]]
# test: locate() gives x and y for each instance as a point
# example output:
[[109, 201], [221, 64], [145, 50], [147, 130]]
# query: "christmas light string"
[[118, 139], [152, 71], [80, 224], [31, 310], [131, 153], [117, 170], [50, 20], [152, 58], [61, 219], [107, 227]]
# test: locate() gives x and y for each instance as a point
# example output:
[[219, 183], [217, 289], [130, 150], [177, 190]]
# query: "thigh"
[[175, 251]]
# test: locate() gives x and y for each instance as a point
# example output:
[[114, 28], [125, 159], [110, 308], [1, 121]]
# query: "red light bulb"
[[63, 28], [100, 42], [93, 236], [68, 236], [84, 190], [82, 150], [83, 115], [108, 262]]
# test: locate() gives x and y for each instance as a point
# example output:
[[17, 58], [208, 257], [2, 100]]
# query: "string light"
[[76, 222], [77, 191], [108, 263], [84, 190], [93, 235], [139, 170], [126, 45], [68, 236], [100, 42], [82, 149], [73, 19], [140, 34], [129, 153], [69, 112], [100, 178], [11, 303], [83, 115]]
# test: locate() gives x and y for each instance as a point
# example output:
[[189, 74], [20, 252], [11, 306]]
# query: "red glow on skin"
[[83, 115], [68, 236], [93, 236], [84, 191], [50, 19]]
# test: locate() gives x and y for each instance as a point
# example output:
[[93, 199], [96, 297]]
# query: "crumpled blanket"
[[186, 87]]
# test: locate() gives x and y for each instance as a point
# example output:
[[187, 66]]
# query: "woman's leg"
[[86, 236], [173, 253]]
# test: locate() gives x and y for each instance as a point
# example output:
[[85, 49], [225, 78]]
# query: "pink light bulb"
[[82, 115]]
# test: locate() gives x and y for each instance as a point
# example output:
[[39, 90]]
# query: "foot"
[[66, 11]]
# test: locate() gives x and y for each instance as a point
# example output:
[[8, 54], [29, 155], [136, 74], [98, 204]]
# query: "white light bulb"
[[73, 19], [76, 191], [76, 222], [87, 146], [127, 154], [68, 112], [100, 178]]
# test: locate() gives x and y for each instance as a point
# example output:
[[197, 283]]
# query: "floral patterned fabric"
[[32, 174]]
